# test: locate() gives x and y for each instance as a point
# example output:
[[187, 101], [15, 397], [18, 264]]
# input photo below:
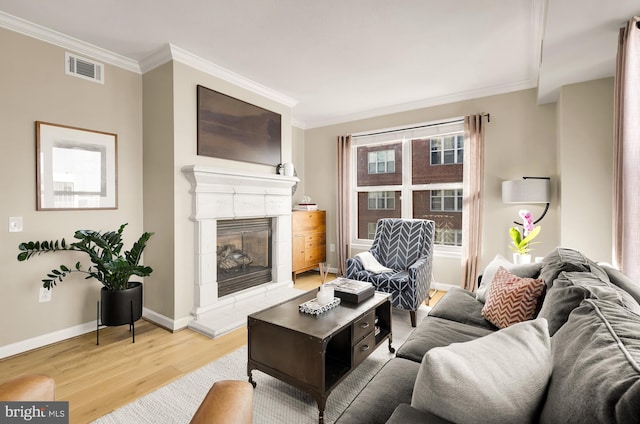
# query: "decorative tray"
[[312, 307]]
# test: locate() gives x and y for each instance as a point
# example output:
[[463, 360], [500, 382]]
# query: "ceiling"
[[340, 60]]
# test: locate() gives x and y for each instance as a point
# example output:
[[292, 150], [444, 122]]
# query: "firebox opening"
[[243, 252]]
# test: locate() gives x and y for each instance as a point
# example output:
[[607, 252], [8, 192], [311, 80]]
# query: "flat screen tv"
[[229, 128]]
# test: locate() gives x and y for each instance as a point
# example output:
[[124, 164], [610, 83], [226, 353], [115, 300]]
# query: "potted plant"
[[121, 299], [522, 241]]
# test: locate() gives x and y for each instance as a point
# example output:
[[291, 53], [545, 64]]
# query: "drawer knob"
[[364, 348], [364, 325]]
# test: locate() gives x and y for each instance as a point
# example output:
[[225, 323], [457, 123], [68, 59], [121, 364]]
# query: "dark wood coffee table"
[[315, 353]]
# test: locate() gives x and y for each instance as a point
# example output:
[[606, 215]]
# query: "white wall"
[[158, 196], [585, 164], [34, 87], [298, 158]]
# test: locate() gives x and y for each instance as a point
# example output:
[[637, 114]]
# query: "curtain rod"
[[435, 124]]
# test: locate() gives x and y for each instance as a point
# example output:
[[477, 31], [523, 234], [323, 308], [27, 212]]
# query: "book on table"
[[352, 290]]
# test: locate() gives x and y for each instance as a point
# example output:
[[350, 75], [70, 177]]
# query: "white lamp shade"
[[530, 190]]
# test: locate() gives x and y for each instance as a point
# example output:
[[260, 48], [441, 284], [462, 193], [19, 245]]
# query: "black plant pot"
[[121, 307]]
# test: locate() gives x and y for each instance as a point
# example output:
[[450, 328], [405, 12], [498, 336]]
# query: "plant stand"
[[132, 324]]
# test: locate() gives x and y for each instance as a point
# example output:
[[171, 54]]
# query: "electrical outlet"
[[332, 247], [45, 295]]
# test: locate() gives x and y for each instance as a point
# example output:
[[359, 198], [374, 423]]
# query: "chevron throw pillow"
[[512, 299]]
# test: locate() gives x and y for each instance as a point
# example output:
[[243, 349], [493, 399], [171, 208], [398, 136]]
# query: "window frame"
[[406, 189]]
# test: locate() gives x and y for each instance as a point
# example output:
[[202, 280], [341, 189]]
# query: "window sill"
[[453, 252], [447, 252]]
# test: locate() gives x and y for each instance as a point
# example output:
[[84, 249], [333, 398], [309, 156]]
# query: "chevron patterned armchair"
[[406, 247]]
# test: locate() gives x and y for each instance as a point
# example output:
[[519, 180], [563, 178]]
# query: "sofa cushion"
[[462, 306], [564, 259], [625, 283], [571, 288], [498, 378], [596, 366], [391, 386], [436, 332], [526, 270], [407, 414], [512, 299]]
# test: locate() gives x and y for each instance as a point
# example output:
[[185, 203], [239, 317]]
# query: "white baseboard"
[[46, 339], [442, 286], [166, 322], [78, 330]]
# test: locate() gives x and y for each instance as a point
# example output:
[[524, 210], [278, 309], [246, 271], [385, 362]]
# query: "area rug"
[[275, 402]]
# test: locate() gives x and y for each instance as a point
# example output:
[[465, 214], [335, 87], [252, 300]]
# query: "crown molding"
[[421, 104], [172, 52], [156, 59], [30, 29]]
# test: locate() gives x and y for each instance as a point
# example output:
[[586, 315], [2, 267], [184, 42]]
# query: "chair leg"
[[430, 296], [413, 318]]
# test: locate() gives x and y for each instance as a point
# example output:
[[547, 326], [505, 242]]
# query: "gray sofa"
[[578, 361]]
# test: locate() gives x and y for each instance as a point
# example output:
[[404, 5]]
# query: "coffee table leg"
[[322, 402], [253, 383]]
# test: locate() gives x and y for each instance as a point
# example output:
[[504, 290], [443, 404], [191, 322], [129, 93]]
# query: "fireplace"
[[243, 254], [242, 224]]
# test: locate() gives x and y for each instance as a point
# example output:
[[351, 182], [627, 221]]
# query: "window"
[[382, 200], [446, 200], [447, 150], [371, 230], [400, 175], [382, 162], [448, 237]]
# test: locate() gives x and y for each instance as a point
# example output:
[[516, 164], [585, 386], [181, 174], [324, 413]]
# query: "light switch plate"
[[15, 224]]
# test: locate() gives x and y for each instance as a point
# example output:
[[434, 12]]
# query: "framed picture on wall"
[[229, 128], [76, 168]]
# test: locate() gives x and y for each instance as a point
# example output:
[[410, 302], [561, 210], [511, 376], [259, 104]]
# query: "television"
[[230, 128]]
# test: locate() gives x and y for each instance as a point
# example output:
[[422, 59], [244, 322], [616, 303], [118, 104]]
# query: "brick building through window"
[[415, 178]]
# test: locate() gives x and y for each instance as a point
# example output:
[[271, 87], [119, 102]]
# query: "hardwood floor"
[[96, 380]]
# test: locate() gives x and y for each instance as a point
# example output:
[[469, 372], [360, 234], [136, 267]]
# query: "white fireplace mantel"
[[229, 194]]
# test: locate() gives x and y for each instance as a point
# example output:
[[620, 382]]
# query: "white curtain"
[[627, 151], [472, 203]]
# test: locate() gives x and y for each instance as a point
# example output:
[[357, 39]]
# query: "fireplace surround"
[[222, 195]]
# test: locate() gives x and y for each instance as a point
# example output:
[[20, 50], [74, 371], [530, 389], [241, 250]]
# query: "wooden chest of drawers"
[[309, 240]]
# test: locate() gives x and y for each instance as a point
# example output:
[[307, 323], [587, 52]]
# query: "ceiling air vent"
[[84, 68]]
